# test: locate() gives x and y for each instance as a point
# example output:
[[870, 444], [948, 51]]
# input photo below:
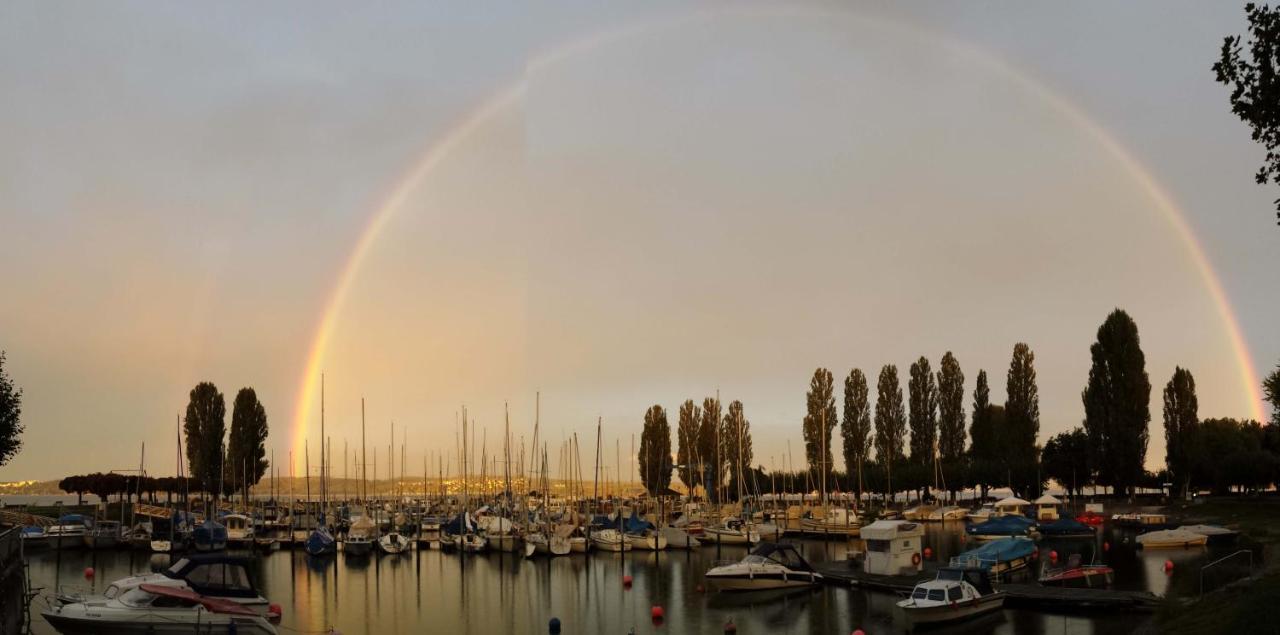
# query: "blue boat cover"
[[1065, 526], [635, 524], [1002, 526], [1002, 550]]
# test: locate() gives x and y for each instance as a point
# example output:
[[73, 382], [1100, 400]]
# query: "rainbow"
[[389, 204]]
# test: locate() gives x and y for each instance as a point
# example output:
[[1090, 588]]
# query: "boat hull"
[[947, 613], [154, 622], [738, 583]]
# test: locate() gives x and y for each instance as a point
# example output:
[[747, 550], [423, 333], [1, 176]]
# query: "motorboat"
[[33, 537], [837, 521], [679, 539], [956, 594], [1215, 534], [731, 532], [998, 557], [1001, 527], [917, 513], [215, 575], [609, 539], [240, 531], [68, 532], [359, 541], [1076, 574], [983, 513], [210, 535], [429, 534], [1066, 528], [1171, 539], [104, 535], [769, 567], [154, 608], [393, 543], [1143, 521], [946, 512], [320, 542]]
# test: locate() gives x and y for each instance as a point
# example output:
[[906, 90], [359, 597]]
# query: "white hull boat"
[[731, 532], [609, 540], [648, 541], [769, 567], [150, 609], [956, 594], [679, 539], [393, 544], [1171, 539]]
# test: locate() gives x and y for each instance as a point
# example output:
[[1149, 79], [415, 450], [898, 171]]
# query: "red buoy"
[[698, 588], [730, 627], [274, 612], [928, 553], [1168, 566], [88, 572], [859, 632], [626, 580], [1106, 545], [1053, 556], [656, 612]]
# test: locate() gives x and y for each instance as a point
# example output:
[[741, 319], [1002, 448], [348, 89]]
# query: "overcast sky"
[[635, 204]]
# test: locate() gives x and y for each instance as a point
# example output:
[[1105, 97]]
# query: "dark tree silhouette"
[[1022, 402], [1066, 459], [712, 471], [10, 415], [735, 445], [983, 446], [820, 419], [655, 451], [246, 450], [1255, 84], [1116, 403], [950, 408], [922, 411], [1271, 389], [855, 430], [687, 443], [891, 422], [1181, 416], [205, 427]]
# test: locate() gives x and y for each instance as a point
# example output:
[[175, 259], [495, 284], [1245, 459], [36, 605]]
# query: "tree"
[[890, 422], [1226, 453], [1116, 403], [10, 415], [1066, 460], [923, 412], [655, 451], [687, 444], [735, 446], [1255, 85], [246, 450], [1181, 416], [1271, 389], [205, 428], [818, 423], [950, 408], [983, 448], [855, 430], [1022, 401], [710, 460]]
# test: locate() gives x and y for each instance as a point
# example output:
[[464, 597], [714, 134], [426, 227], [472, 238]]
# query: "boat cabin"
[[215, 574], [953, 585], [892, 547], [1047, 507], [780, 553], [1012, 506]]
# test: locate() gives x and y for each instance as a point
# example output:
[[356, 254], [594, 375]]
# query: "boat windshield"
[[136, 597], [954, 593], [919, 593], [937, 594]]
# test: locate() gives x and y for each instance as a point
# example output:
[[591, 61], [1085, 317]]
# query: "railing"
[[1222, 560]]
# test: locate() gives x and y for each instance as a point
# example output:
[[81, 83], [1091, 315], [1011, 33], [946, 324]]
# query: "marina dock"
[[1020, 594]]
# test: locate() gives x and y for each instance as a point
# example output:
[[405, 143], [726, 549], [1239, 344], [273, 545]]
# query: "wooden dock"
[[1028, 595]]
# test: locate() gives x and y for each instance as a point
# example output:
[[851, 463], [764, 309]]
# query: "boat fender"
[[915, 559]]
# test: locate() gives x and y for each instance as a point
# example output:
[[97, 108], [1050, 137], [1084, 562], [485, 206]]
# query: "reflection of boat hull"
[[945, 613], [579, 544], [504, 542], [357, 547], [1085, 576], [79, 619]]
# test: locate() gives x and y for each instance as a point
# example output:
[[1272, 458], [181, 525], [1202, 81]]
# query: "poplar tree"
[[1022, 402], [205, 428], [855, 429], [10, 416], [983, 448], [890, 420], [819, 420], [735, 445], [246, 449], [709, 454], [1181, 417], [655, 451], [950, 408], [923, 412], [687, 431], [1117, 403]]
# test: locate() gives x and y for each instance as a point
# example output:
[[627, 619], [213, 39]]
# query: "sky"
[[612, 205]]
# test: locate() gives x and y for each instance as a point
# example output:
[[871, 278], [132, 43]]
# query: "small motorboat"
[[946, 512], [1075, 574], [240, 530], [1143, 521], [33, 537], [1066, 528], [69, 531], [983, 513], [917, 513], [156, 608], [730, 532], [1216, 535], [998, 557], [769, 567], [1001, 527], [1171, 539], [429, 534], [956, 594], [393, 543], [210, 535], [215, 575], [679, 539]]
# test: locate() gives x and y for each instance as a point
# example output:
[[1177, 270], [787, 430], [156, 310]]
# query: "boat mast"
[[364, 468]]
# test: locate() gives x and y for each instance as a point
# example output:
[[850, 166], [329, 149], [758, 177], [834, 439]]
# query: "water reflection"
[[436, 592]]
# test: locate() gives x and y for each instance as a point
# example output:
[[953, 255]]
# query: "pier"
[[1028, 595]]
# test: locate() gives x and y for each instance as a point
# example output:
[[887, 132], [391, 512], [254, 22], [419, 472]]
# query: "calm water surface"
[[430, 591]]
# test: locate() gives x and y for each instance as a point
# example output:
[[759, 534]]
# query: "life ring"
[[915, 559]]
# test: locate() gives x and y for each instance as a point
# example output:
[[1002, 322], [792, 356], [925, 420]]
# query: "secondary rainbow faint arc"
[[509, 95]]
